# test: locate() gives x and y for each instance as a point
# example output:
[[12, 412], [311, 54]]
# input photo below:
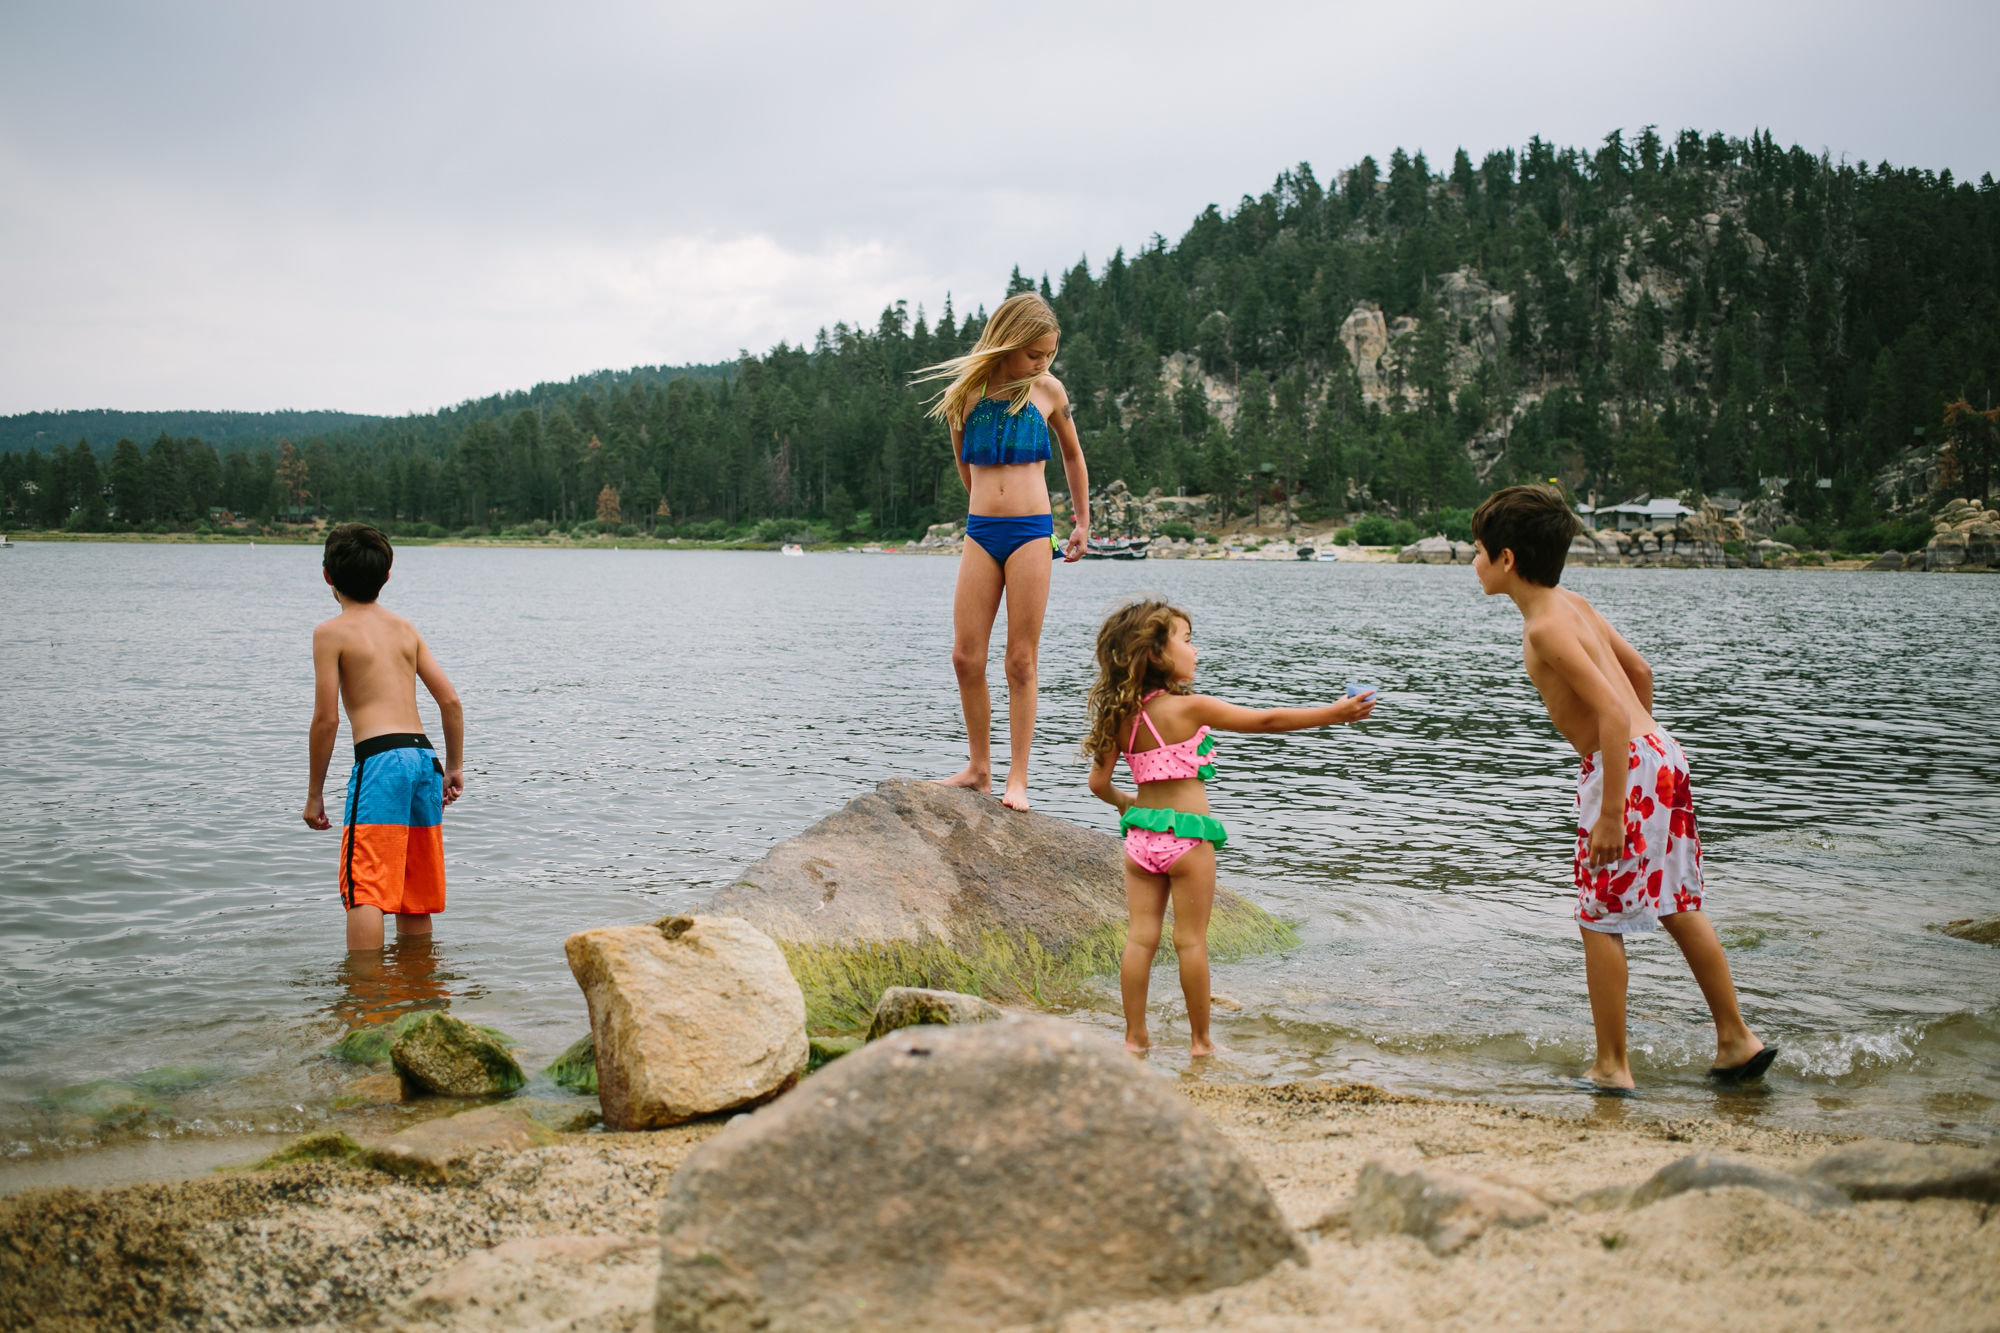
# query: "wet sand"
[[561, 1237]]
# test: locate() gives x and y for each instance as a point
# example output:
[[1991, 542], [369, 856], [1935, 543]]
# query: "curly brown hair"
[[1131, 664]]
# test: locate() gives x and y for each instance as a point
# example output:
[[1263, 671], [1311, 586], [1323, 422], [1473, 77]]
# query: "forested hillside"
[[1701, 314]]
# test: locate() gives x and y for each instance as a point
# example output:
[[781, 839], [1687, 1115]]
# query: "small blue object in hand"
[[1355, 687]]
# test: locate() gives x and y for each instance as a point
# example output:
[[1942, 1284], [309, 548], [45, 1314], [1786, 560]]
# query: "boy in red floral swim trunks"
[[1638, 855]]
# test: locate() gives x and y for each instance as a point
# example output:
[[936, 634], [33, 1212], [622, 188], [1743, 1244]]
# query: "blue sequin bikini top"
[[995, 439]]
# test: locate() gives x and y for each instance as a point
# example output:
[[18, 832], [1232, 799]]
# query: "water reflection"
[[379, 987]]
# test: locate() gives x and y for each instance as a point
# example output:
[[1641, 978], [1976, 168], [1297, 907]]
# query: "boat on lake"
[[1116, 548], [791, 548]]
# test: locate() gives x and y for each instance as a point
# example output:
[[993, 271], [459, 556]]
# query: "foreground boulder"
[[689, 1016], [449, 1057], [924, 885], [1711, 1171], [913, 1006], [1883, 1169], [961, 1178], [1444, 1209]]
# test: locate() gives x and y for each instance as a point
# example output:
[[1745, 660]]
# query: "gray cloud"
[[388, 207]]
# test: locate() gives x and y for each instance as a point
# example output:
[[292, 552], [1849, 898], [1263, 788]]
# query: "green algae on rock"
[[825, 1050], [917, 884], [105, 1103], [576, 1068], [450, 1057], [322, 1145]]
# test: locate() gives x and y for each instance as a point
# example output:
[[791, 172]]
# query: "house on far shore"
[[1633, 515]]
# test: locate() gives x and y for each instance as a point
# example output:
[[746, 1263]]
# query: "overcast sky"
[[393, 207]]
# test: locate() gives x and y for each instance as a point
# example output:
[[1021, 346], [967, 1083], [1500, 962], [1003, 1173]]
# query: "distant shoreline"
[[1384, 555]]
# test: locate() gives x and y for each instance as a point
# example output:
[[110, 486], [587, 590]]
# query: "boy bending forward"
[[392, 840], [1638, 856]]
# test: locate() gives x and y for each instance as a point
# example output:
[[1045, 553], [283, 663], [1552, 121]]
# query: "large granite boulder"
[[688, 1016], [920, 884], [954, 1178], [1430, 551]]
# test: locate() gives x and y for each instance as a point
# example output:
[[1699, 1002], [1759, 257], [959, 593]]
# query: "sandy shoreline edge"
[[562, 1236]]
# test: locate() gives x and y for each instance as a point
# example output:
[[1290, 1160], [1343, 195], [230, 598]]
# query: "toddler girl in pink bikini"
[[1145, 665]]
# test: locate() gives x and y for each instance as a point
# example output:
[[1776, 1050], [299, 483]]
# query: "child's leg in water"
[[1604, 973], [1193, 879], [1146, 898]]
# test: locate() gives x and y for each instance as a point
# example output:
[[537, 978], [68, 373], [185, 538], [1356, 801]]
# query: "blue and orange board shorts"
[[392, 841]]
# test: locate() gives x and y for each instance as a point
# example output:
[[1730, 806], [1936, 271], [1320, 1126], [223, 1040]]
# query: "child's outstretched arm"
[[325, 724], [1224, 716], [451, 713], [1100, 783], [1558, 646]]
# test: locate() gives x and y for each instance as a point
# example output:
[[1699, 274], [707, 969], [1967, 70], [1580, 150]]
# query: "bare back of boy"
[[377, 656], [1562, 636]]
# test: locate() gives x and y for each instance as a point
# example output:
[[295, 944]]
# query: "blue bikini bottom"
[[1001, 537]]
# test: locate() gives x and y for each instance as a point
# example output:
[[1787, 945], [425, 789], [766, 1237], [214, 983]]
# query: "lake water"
[[644, 724]]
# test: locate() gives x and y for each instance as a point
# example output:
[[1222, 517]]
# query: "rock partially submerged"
[[690, 1015], [1710, 1171], [450, 1057], [913, 1006], [961, 1178], [917, 884], [1978, 929], [1885, 1169], [1444, 1209], [576, 1068]]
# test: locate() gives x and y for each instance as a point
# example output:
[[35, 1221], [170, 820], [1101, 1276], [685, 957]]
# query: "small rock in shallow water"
[[447, 1056], [576, 1068], [373, 1090], [1883, 1169], [1710, 1171], [1979, 929], [1444, 1209], [322, 1145], [103, 1102], [913, 1006], [961, 1177]]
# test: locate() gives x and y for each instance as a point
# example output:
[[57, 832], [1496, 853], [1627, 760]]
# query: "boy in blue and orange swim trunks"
[[392, 825]]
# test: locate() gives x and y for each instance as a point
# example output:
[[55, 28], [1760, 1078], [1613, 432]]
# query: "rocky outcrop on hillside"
[[1966, 537]]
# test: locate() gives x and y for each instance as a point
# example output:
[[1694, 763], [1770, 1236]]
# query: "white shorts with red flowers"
[[1660, 873]]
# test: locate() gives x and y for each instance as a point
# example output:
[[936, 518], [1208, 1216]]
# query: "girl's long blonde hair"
[[1132, 662], [1021, 319]]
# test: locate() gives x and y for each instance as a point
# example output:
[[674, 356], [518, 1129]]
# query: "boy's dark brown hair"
[[357, 560], [1535, 523]]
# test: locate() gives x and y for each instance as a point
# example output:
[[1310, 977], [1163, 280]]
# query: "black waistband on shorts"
[[395, 740]]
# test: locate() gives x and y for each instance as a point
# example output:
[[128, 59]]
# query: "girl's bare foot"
[[1137, 1043], [1016, 796], [1201, 1050], [972, 779], [1610, 1078]]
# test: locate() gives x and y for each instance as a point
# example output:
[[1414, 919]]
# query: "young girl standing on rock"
[[1002, 406], [1145, 665]]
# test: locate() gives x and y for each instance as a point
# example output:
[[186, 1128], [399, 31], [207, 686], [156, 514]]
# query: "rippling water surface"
[[644, 724]]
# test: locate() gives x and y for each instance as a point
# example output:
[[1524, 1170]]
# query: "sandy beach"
[[561, 1237]]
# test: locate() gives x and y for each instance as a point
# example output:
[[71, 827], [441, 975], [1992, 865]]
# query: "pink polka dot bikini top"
[[1167, 763]]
